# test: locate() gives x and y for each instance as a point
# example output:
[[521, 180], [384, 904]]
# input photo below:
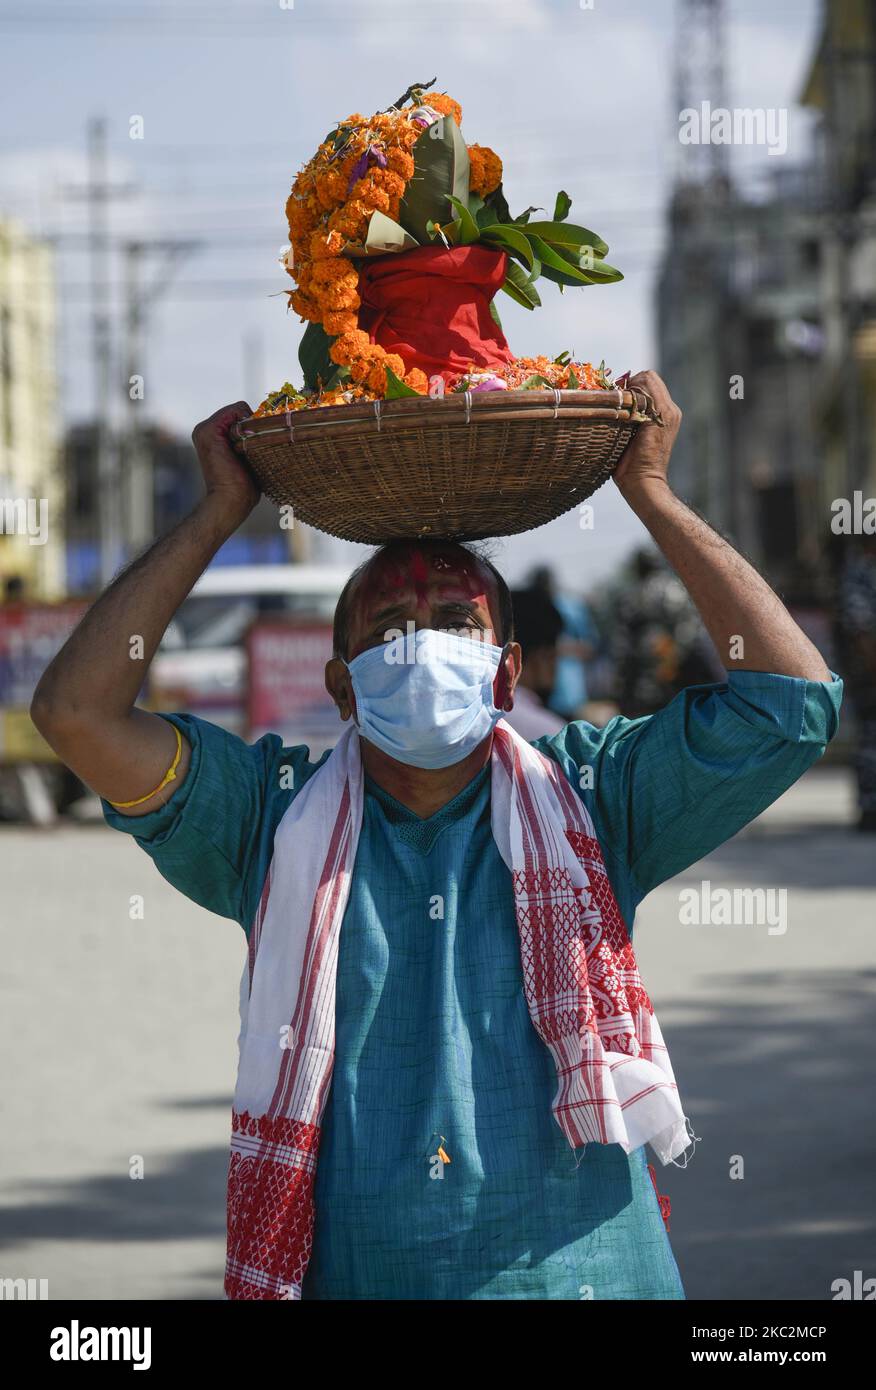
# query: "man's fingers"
[[221, 421], [230, 414], [658, 391]]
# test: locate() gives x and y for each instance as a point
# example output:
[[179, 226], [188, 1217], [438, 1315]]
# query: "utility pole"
[[138, 522], [703, 231], [98, 230], [98, 192]]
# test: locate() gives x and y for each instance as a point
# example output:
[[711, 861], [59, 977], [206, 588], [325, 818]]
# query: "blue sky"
[[234, 96]]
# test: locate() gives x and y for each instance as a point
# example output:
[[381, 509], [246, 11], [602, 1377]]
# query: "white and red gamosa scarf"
[[586, 1001]]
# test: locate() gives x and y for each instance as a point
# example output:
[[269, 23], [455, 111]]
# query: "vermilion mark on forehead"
[[413, 570], [419, 574]]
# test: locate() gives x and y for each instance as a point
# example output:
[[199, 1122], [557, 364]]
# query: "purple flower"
[[373, 155], [424, 115]]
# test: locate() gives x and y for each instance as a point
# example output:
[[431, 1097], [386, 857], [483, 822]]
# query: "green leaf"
[[313, 354], [562, 205], [511, 238], [573, 380], [475, 204], [441, 167], [485, 216], [518, 285], [396, 388], [595, 272], [563, 358], [568, 234], [494, 312], [524, 216], [601, 273], [341, 375], [556, 267], [468, 229], [496, 201], [565, 270], [535, 380]]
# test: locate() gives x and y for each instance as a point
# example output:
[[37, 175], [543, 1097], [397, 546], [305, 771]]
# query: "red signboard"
[[30, 635], [286, 692]]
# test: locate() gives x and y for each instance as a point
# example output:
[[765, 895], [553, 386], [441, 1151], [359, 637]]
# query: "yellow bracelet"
[[169, 775]]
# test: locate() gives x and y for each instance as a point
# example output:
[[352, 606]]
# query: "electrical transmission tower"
[[700, 80]]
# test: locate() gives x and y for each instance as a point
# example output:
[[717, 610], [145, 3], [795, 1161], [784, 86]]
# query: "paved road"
[[122, 1039]]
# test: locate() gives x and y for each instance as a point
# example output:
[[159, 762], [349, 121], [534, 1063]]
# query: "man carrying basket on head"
[[449, 1066]]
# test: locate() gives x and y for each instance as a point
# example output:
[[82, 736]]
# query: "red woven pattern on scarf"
[[614, 932], [270, 1207], [552, 953]]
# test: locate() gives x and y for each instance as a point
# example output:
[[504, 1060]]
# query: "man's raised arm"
[[733, 600], [84, 703]]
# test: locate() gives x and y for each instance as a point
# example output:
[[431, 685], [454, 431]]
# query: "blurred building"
[[31, 534], [841, 87], [168, 468], [766, 308], [740, 330]]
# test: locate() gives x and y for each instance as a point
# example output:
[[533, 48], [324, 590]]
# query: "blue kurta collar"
[[421, 832]]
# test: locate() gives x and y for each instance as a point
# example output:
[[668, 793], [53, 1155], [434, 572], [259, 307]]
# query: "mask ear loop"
[[500, 672]]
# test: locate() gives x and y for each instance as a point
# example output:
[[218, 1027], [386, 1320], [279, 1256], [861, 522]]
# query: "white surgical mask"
[[426, 699]]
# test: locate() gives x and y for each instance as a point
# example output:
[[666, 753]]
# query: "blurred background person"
[[658, 642], [578, 644], [855, 638], [537, 627]]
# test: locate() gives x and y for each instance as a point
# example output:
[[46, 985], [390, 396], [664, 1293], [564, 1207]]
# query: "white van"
[[201, 664]]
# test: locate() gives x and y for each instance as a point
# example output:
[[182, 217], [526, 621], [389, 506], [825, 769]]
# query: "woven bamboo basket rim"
[[620, 405], [464, 465]]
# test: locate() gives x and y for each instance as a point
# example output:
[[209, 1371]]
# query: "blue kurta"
[[434, 1040]]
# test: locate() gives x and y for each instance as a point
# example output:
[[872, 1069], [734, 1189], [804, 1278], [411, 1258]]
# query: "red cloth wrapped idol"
[[432, 307]]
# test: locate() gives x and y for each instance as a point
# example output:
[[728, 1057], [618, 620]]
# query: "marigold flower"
[[336, 270], [440, 101], [376, 378], [367, 192], [485, 170], [339, 296], [360, 369], [391, 183], [304, 306], [399, 162], [349, 346], [341, 321], [325, 245], [417, 380]]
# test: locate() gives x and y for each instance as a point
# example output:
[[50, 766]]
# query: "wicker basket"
[[465, 466]]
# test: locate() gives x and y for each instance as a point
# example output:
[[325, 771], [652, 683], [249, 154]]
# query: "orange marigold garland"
[[362, 167]]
